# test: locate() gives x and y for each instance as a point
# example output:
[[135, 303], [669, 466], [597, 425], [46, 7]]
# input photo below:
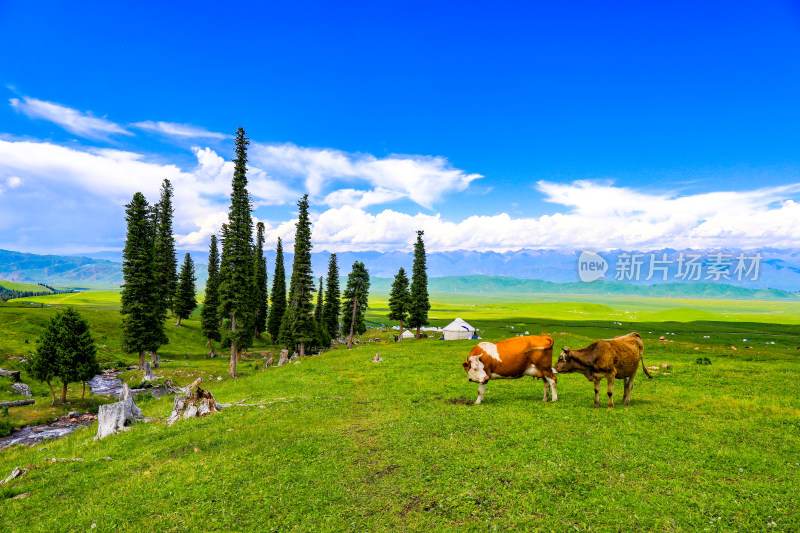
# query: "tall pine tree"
[[277, 296], [165, 259], [236, 275], [356, 300], [209, 321], [399, 299], [261, 295], [420, 302], [141, 300], [185, 300], [319, 306], [330, 311], [297, 326]]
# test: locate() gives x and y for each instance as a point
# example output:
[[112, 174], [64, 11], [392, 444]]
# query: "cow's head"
[[475, 370], [563, 365]]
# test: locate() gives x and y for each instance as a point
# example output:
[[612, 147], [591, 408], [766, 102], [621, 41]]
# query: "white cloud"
[[179, 130], [421, 179], [598, 216], [71, 182], [79, 123], [65, 196], [361, 199]]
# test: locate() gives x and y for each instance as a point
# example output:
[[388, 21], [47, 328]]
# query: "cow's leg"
[[596, 392], [481, 389], [549, 379], [610, 381], [551, 382], [546, 389], [626, 399]]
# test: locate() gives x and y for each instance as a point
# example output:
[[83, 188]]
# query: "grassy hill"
[[336, 443]]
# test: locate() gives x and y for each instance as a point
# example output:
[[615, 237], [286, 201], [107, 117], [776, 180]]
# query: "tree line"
[[238, 306]]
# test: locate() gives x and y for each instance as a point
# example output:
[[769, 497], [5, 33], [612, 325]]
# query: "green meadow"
[[337, 443]]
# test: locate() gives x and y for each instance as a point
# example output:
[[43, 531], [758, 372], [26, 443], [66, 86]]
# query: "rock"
[[13, 374], [73, 414], [662, 338], [377, 359], [22, 388], [733, 347], [118, 416]]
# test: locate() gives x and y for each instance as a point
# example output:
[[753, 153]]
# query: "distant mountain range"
[[523, 271]]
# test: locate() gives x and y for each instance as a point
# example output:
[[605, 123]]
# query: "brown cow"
[[606, 358], [511, 359]]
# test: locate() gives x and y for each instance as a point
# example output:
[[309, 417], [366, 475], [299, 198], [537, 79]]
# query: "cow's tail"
[[645, 369], [550, 341]]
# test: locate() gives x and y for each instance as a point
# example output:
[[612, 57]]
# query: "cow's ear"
[[465, 364], [565, 349]]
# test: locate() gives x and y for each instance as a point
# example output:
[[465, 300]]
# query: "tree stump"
[[193, 403], [148, 373], [118, 416], [284, 357], [269, 361], [377, 359]]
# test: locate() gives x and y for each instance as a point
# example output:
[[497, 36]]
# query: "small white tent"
[[458, 329], [408, 335]]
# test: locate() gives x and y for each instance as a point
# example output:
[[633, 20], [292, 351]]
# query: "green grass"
[[342, 444], [23, 287]]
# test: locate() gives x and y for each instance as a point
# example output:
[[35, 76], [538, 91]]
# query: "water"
[[105, 384], [30, 435]]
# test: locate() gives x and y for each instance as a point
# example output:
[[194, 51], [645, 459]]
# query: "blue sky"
[[490, 126]]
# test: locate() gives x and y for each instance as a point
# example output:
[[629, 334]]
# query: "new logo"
[[591, 266]]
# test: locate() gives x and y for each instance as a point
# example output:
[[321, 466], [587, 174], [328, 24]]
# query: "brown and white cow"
[[512, 359], [606, 358]]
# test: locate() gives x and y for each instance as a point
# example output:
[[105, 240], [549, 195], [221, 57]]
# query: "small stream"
[[105, 384]]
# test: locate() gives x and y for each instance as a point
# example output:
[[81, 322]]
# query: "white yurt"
[[408, 335], [458, 329]]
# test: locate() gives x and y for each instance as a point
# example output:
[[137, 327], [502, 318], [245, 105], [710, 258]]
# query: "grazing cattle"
[[606, 358], [511, 359]]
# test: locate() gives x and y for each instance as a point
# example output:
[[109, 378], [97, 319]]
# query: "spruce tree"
[[297, 326], [420, 302], [319, 306], [356, 300], [141, 303], [236, 275], [277, 296], [65, 351], [323, 339], [209, 321], [185, 295], [399, 299], [330, 311], [165, 259], [261, 295]]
